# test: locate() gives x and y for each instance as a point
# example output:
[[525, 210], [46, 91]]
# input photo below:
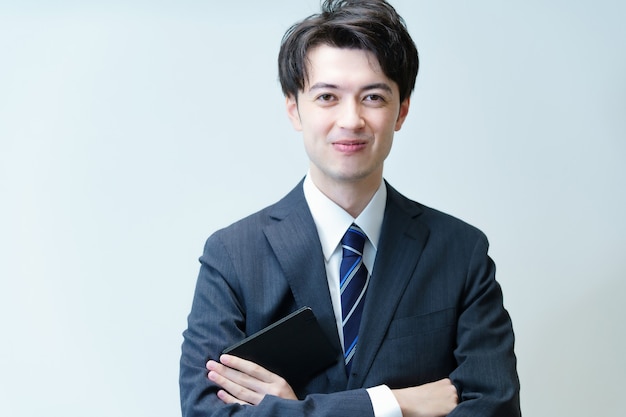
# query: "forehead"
[[331, 64]]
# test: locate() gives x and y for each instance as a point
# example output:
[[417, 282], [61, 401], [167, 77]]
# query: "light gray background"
[[130, 131]]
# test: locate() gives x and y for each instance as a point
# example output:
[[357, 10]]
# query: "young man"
[[425, 333]]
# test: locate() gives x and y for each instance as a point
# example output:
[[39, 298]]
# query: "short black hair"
[[370, 25]]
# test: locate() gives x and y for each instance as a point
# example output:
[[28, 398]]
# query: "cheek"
[[387, 128], [308, 139], [386, 149], [385, 140], [315, 128]]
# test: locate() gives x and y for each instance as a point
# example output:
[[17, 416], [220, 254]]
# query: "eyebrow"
[[375, 86]]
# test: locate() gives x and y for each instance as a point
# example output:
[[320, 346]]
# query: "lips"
[[349, 146]]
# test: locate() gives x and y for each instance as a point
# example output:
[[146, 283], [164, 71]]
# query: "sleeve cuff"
[[384, 402]]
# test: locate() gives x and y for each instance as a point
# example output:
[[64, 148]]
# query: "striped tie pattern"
[[354, 279]]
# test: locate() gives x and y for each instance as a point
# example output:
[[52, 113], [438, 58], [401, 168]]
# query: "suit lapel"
[[295, 242], [402, 239]]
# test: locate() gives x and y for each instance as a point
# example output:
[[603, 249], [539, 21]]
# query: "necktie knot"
[[353, 241]]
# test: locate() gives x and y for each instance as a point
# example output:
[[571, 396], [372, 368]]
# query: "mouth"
[[349, 145]]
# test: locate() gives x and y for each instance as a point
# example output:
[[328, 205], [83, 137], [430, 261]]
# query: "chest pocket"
[[422, 324]]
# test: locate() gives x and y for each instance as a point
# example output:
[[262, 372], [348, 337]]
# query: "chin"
[[353, 176]]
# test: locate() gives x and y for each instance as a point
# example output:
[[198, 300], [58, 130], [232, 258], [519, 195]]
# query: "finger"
[[248, 381], [219, 369], [452, 389], [248, 368], [211, 365], [235, 370], [234, 392], [229, 373], [229, 399], [242, 386]]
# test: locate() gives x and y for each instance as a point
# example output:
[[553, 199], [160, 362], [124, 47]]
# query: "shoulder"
[[438, 223], [252, 226], [444, 221]]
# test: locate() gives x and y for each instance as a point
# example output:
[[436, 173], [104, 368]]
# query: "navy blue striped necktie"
[[354, 279]]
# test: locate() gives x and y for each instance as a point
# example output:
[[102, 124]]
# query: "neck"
[[352, 196]]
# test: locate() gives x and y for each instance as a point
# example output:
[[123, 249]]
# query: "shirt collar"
[[332, 221]]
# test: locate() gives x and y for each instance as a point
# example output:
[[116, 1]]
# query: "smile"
[[349, 146]]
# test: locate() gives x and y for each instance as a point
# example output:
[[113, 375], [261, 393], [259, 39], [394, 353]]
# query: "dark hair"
[[370, 25]]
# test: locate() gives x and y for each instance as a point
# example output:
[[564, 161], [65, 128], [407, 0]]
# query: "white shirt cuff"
[[384, 402]]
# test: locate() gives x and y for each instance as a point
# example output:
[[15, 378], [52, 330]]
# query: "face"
[[347, 113]]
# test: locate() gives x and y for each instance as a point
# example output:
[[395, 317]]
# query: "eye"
[[375, 98], [326, 97]]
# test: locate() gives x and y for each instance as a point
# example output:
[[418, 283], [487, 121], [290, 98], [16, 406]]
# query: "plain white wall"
[[131, 130]]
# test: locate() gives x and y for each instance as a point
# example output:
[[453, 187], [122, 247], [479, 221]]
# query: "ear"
[[404, 111], [291, 104]]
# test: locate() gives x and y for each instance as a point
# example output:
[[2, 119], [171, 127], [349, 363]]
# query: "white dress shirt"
[[332, 222]]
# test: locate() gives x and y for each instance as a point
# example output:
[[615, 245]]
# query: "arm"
[[486, 374], [244, 382], [217, 320]]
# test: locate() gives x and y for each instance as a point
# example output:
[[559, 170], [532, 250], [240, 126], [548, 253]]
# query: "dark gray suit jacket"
[[433, 310]]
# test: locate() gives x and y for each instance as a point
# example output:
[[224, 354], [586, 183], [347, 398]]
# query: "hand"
[[436, 399], [245, 382]]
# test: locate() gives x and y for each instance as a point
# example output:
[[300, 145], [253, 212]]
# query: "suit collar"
[[294, 240], [332, 221]]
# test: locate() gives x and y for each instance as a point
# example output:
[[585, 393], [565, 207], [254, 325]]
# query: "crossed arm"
[[485, 363], [247, 383]]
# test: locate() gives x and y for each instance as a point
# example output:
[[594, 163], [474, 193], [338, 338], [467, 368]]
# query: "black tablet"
[[294, 347]]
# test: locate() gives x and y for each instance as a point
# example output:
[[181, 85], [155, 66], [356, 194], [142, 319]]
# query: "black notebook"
[[294, 347]]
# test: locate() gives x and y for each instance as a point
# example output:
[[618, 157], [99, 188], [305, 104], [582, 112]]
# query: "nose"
[[350, 116]]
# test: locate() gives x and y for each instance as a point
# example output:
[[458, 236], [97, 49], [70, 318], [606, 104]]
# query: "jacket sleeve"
[[217, 319], [486, 375]]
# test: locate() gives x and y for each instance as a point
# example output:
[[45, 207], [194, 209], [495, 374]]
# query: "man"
[[426, 333]]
